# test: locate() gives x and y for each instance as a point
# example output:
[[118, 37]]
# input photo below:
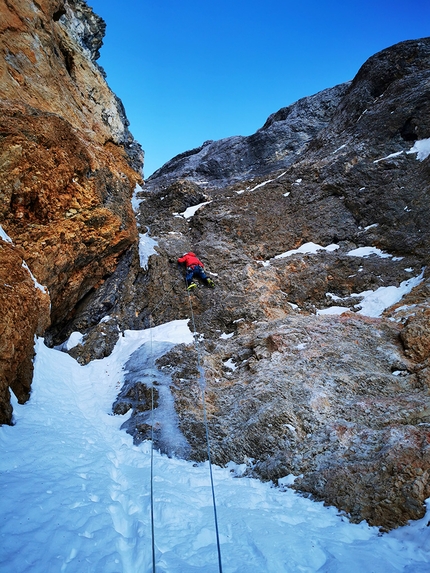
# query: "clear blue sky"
[[188, 70]]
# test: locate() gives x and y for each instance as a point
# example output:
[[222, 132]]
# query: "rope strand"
[[202, 384], [152, 454]]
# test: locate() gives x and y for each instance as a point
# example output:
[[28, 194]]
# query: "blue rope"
[[152, 459], [202, 384]]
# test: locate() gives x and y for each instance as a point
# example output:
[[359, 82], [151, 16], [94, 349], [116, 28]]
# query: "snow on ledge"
[[188, 213], [334, 310], [226, 336], [307, 248], [389, 156], [176, 332], [421, 148], [74, 339], [374, 303], [230, 364], [367, 251]]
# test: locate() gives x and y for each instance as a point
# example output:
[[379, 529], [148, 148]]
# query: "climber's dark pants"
[[195, 271]]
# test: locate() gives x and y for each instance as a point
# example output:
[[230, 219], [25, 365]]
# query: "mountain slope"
[[341, 399], [315, 343], [275, 146]]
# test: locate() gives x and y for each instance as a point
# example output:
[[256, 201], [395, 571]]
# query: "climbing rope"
[[152, 452], [202, 384]]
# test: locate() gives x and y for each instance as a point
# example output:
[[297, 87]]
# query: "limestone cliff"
[[276, 145], [340, 399], [327, 213], [68, 167]]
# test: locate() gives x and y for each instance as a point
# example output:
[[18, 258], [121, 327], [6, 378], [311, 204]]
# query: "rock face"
[[326, 206], [341, 400], [25, 312], [68, 167], [275, 146]]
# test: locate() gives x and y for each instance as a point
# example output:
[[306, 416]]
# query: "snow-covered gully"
[[76, 493]]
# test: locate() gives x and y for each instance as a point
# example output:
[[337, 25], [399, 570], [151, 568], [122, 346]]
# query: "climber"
[[194, 268]]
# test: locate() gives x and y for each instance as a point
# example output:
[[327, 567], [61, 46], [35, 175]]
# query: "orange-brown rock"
[[416, 335], [25, 312], [68, 167]]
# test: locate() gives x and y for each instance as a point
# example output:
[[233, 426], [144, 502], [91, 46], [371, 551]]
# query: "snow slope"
[[75, 494]]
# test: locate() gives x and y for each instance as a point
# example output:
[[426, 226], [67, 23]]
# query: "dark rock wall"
[[275, 146]]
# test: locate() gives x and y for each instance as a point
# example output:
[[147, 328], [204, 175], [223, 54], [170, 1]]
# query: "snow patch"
[[230, 364], [307, 248], [5, 236], [261, 184], [421, 148], [375, 302], [339, 148], [225, 336], [337, 310], [367, 251], [289, 479], [74, 339], [188, 213], [36, 283]]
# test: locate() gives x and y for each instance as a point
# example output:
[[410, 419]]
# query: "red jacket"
[[190, 260]]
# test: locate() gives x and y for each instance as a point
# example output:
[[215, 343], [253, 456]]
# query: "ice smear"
[[136, 201], [146, 248], [76, 494], [141, 368]]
